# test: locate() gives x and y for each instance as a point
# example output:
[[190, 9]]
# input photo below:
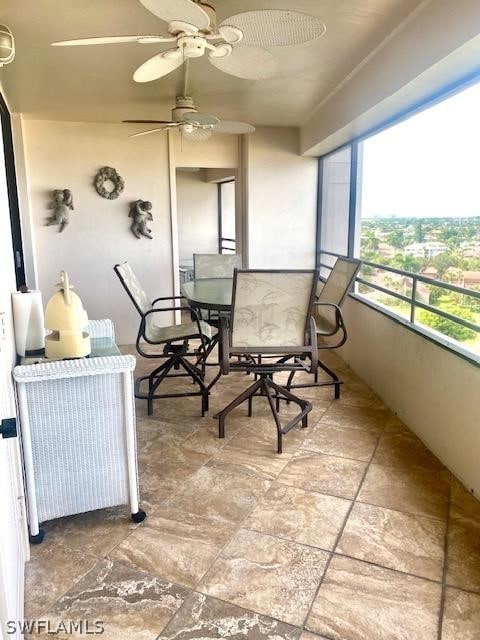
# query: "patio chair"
[[174, 339], [214, 265], [271, 314], [327, 313]]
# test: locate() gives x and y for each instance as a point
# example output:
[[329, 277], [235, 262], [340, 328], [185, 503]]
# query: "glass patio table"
[[211, 294]]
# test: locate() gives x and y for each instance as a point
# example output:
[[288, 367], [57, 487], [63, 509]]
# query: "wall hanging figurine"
[[140, 212], [107, 175], [62, 205]]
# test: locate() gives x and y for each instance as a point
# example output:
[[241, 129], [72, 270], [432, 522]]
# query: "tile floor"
[[355, 532]]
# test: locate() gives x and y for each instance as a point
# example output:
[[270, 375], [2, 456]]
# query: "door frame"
[[12, 190]]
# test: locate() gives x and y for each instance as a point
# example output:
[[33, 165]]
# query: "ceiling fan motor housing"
[[184, 104]]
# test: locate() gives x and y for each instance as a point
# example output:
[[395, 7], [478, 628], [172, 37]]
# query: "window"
[[335, 204], [226, 217], [416, 218]]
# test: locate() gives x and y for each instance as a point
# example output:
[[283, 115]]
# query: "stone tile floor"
[[355, 532]]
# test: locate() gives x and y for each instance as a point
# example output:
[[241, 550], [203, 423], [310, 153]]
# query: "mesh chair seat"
[[178, 332]]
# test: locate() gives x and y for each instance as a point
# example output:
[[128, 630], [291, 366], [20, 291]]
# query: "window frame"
[[433, 99]]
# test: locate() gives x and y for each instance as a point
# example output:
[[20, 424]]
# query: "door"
[[13, 531]]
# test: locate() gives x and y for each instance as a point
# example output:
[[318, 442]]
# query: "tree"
[[418, 232], [448, 327], [407, 262], [396, 238]]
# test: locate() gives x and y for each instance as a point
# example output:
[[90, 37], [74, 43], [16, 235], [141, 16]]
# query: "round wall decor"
[[109, 175]]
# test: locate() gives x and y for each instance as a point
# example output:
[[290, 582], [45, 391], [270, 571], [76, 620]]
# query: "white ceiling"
[[95, 83]]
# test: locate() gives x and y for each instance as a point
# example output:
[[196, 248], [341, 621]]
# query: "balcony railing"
[[227, 245], [412, 283]]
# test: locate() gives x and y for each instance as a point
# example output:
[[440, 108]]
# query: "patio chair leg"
[[221, 415], [268, 393]]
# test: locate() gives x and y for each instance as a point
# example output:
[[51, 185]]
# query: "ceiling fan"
[[192, 124], [235, 46]]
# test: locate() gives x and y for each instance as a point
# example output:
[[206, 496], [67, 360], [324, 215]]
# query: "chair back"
[[215, 265], [271, 309], [133, 287], [334, 290]]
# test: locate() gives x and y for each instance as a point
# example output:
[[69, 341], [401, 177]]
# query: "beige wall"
[[438, 44], [197, 211], [68, 155], [432, 390], [281, 200]]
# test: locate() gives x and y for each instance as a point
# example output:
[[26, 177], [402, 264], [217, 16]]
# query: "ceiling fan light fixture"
[[7, 45]]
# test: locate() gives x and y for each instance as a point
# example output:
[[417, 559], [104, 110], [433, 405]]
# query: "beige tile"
[[327, 474], [359, 394], [130, 603], [205, 617], [366, 418], [95, 532], [403, 449], [414, 491], [255, 452], [302, 516], [267, 575], [205, 439], [464, 506], [306, 635], [176, 546], [461, 617], [165, 472], [359, 601], [341, 441], [152, 431], [463, 557], [53, 569], [395, 540], [219, 493]]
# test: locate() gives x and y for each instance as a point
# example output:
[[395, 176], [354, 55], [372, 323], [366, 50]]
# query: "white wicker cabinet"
[[77, 426]]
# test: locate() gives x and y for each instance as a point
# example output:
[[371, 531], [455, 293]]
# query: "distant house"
[[425, 249], [429, 272], [471, 279], [384, 249]]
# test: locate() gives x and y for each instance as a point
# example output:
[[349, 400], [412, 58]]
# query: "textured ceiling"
[[95, 83]]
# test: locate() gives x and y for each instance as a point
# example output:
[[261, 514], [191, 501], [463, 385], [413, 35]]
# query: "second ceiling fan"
[[236, 46]]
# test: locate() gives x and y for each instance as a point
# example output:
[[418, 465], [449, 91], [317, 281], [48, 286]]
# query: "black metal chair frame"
[[174, 355], [264, 384]]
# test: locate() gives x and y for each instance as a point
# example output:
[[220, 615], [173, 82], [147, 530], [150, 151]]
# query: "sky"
[[428, 165]]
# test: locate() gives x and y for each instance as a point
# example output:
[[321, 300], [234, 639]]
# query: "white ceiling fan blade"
[[235, 128], [249, 63], [202, 119], [181, 10], [197, 135], [276, 27], [160, 65], [146, 133], [148, 121], [112, 40]]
